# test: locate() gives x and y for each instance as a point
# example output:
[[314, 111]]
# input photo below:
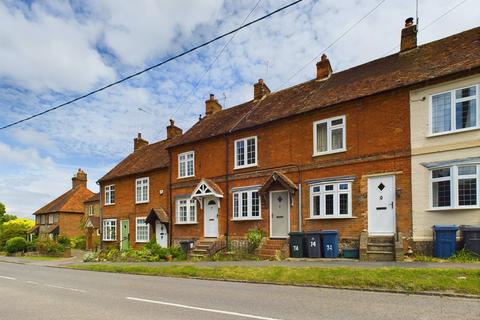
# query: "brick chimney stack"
[[260, 90], [212, 106], [173, 131], [79, 179], [409, 36], [139, 142], [324, 69]]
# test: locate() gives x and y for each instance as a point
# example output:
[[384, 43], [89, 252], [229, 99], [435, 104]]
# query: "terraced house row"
[[380, 152]]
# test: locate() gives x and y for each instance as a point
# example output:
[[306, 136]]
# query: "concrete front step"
[[380, 247], [381, 239], [380, 256]]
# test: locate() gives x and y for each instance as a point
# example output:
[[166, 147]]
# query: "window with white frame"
[[455, 187], [186, 211], [109, 229], [142, 231], [454, 110], [141, 190], [246, 152], [110, 194], [329, 136], [186, 164], [246, 205], [331, 200]]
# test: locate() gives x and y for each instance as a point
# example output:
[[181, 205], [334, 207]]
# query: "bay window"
[[331, 200], [246, 205], [186, 211], [455, 187]]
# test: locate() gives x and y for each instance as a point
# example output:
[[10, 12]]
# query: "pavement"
[[36, 292]]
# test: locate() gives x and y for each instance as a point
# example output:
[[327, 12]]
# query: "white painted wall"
[[427, 148]]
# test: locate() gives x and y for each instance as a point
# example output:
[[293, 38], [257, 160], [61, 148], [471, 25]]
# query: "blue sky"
[[52, 51]]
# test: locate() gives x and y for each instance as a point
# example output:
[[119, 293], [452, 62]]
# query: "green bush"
[[50, 247], [78, 242], [254, 237], [151, 252], [14, 228], [64, 241], [16, 244]]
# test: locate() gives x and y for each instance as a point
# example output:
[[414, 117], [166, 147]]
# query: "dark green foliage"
[[16, 244]]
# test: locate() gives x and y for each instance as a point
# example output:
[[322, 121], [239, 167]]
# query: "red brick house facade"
[[134, 195]]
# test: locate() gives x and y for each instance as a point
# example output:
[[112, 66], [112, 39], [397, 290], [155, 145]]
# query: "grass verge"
[[41, 258], [391, 278]]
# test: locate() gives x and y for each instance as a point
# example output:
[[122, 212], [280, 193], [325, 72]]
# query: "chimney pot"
[[212, 106], [260, 90], [139, 142], [173, 131], [324, 68], [409, 36]]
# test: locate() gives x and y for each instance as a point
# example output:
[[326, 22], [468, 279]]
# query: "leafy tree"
[[3, 216], [15, 228]]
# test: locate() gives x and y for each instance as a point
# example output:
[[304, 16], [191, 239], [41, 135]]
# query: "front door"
[[210, 219], [381, 205], [279, 214], [161, 233], [124, 235]]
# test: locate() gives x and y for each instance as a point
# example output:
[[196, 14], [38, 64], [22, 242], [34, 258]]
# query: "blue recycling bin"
[[329, 240], [444, 240]]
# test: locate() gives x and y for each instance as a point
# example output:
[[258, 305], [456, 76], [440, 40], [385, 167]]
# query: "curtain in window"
[[322, 137]]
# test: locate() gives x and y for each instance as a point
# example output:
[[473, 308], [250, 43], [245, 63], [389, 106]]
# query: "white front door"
[[381, 205], [279, 214], [210, 218], [161, 233]]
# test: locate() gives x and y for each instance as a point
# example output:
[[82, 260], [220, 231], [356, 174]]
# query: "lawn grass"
[[391, 278]]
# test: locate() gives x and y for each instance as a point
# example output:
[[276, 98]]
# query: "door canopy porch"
[[157, 214], [206, 188], [92, 222], [279, 179]]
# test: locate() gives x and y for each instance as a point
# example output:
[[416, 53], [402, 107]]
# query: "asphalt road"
[[35, 292]]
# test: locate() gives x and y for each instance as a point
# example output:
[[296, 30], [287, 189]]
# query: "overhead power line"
[[151, 67], [213, 62], [430, 24], [333, 43]]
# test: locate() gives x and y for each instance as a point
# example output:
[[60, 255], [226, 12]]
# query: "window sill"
[[245, 167], [186, 177], [328, 152], [453, 208], [185, 223], [246, 219], [109, 240], [109, 204], [143, 241], [142, 202], [433, 135], [331, 218]]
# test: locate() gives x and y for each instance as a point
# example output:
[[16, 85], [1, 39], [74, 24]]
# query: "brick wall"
[[71, 224]]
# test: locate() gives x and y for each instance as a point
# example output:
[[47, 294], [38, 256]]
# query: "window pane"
[[343, 203], [251, 151], [440, 173], [255, 204], [316, 189], [235, 205], [193, 211], [337, 139], [343, 186], [462, 171], [316, 206], [329, 204], [240, 153], [329, 187], [322, 137], [467, 192], [441, 194], [466, 114], [190, 168], [244, 204], [441, 112], [466, 92], [337, 122], [182, 170]]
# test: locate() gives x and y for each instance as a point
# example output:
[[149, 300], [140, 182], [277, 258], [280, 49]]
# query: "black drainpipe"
[[227, 194], [170, 216]]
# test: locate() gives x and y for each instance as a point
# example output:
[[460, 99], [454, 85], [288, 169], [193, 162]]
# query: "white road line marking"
[[202, 309], [65, 288], [32, 282], [8, 278]]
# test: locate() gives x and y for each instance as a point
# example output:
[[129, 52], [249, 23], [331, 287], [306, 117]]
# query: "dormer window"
[[186, 164], [246, 152]]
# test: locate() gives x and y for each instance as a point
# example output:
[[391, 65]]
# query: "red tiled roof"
[[457, 53], [94, 198], [151, 157], [70, 201]]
